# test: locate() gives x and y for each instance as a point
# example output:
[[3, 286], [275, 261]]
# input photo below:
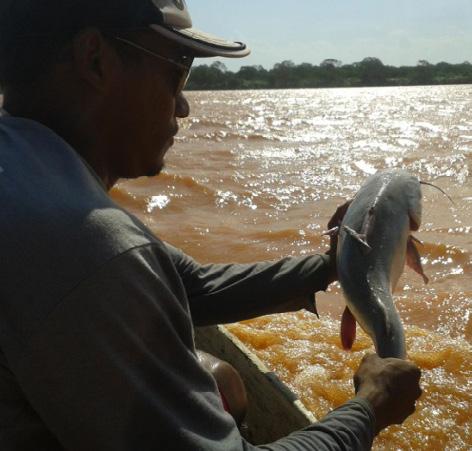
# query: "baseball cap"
[[170, 18]]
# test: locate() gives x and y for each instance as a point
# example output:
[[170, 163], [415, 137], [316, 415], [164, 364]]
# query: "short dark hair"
[[27, 60], [34, 33]]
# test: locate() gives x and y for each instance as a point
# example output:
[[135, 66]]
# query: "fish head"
[[406, 190], [414, 197]]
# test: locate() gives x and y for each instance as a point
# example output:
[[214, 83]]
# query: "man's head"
[[47, 24], [107, 75]]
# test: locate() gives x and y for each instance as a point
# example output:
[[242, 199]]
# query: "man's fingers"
[[406, 414], [419, 393], [391, 385], [356, 383], [417, 373]]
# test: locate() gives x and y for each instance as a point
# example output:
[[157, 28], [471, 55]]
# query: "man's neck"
[[67, 127]]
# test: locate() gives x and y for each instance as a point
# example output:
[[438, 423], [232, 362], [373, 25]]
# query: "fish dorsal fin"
[[359, 237]]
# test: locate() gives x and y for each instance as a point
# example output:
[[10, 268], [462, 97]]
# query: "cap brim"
[[203, 44]]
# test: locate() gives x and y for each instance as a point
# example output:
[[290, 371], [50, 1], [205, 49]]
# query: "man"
[[97, 314]]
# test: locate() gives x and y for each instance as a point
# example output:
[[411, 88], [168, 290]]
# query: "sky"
[[398, 32]]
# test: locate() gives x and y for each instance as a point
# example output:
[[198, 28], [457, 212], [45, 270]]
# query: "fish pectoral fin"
[[416, 240], [348, 329], [413, 259], [359, 237], [331, 232]]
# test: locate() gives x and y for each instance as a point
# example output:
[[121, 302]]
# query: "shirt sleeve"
[[113, 368], [349, 428], [224, 293]]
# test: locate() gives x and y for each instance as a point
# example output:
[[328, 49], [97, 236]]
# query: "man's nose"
[[182, 108]]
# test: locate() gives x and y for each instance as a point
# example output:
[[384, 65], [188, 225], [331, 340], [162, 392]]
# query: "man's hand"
[[390, 385], [333, 224]]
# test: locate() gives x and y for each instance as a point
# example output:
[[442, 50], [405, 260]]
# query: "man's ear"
[[93, 58]]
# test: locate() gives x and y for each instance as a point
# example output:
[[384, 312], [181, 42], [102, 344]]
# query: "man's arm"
[[348, 428], [222, 293], [113, 367]]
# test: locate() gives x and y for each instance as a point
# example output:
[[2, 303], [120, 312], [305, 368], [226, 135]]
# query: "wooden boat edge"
[[274, 411]]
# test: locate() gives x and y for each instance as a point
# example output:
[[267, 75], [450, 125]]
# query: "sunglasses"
[[184, 63]]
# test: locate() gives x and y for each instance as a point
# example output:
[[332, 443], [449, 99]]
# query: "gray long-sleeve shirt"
[[97, 316]]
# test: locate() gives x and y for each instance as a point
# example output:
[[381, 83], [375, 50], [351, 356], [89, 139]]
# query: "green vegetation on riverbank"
[[330, 73]]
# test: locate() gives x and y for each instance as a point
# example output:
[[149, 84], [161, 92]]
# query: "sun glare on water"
[[307, 355], [255, 175]]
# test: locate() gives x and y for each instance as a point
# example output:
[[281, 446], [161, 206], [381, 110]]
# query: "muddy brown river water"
[[255, 175]]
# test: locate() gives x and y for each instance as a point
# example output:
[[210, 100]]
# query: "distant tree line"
[[330, 73]]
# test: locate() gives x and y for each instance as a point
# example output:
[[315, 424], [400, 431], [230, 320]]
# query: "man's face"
[[144, 108]]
